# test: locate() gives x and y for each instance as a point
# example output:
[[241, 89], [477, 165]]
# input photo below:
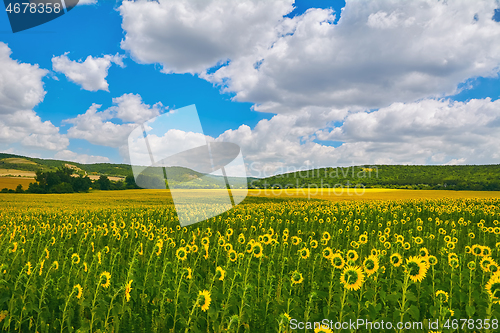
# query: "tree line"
[[63, 181]]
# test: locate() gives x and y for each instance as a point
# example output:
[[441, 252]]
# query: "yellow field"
[[12, 182], [118, 261], [15, 172], [372, 194]]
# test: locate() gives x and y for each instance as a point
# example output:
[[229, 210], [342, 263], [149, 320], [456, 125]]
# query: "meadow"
[[118, 261]]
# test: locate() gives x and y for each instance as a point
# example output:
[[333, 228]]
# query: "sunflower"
[[41, 266], [295, 240], [432, 260], [29, 268], [229, 232], [406, 246], [220, 271], [241, 239], [55, 264], [493, 288], [423, 252], [418, 240], [296, 278], [228, 247], [107, 276], [415, 269], [450, 245], [322, 329], [221, 241], [443, 299], [232, 255], [80, 291], [468, 249], [266, 239], [352, 277], [493, 267], [387, 245], [327, 252], [181, 253], [46, 253], [363, 239], [337, 261], [75, 258], [352, 255], [486, 251], [14, 249], [204, 299], [205, 241], [257, 250], [476, 250], [471, 265], [485, 263], [396, 259], [304, 253], [313, 243], [371, 265], [190, 273], [374, 252]]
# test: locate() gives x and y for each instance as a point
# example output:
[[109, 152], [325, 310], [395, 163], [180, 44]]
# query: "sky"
[[296, 84]]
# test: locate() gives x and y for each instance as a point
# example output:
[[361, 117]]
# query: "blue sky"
[[318, 83]]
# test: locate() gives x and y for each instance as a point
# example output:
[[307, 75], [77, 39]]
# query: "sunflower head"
[[493, 288], [396, 259], [106, 276], [181, 253], [232, 255], [352, 255], [296, 278], [204, 299], [79, 291], [442, 296], [371, 265], [416, 269], [337, 261], [304, 253], [220, 273], [352, 277]]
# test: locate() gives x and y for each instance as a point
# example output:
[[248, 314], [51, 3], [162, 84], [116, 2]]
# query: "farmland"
[[119, 261]]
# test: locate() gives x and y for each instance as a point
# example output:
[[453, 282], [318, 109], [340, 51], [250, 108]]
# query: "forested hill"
[[446, 177]]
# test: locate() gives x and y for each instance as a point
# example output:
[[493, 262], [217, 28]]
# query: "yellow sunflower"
[[444, 297], [107, 277], [181, 253], [371, 265], [337, 261], [80, 291], [416, 269], [296, 278], [352, 277], [352, 255], [396, 259], [257, 249], [220, 271], [204, 299], [304, 253], [493, 288]]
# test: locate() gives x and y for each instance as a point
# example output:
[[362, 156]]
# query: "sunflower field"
[[256, 268]]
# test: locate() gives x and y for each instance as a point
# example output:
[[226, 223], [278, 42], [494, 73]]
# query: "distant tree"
[[4, 190], [103, 183], [19, 189]]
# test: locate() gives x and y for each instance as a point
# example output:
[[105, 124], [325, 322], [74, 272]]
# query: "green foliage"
[[429, 177]]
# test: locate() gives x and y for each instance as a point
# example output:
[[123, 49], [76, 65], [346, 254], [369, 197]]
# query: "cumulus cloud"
[[98, 128], [425, 132], [68, 155], [21, 89], [379, 53], [90, 74], [190, 36]]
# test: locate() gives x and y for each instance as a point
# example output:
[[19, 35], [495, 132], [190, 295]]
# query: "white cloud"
[[130, 108], [379, 53], [68, 155], [425, 132], [21, 89], [96, 126], [191, 36], [90, 74]]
